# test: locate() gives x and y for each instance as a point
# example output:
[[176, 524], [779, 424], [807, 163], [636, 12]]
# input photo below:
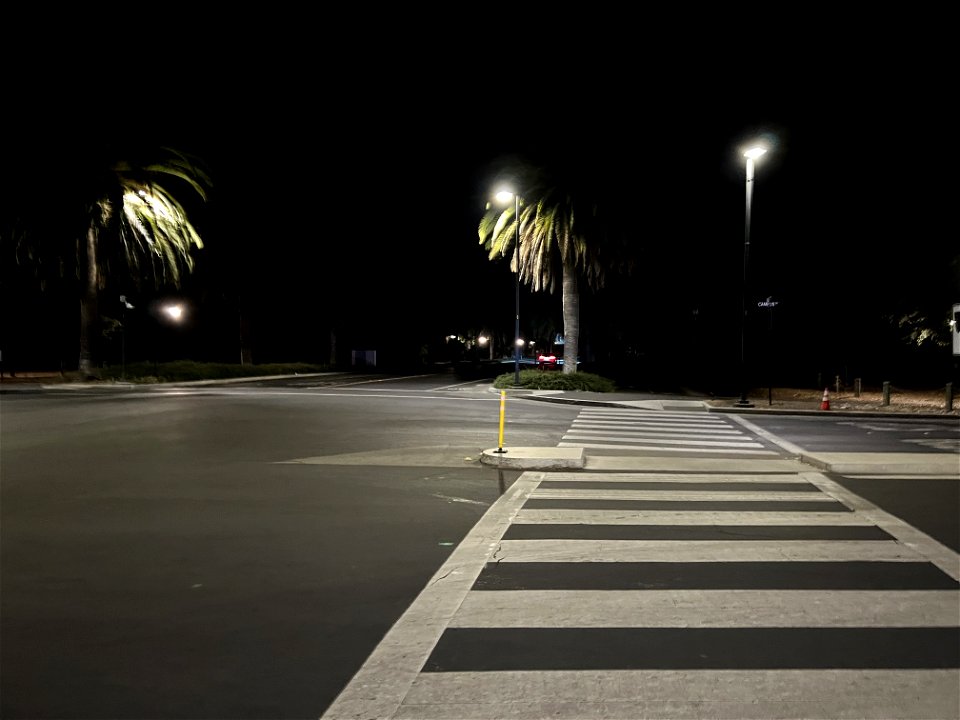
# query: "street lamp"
[[174, 312], [504, 196], [750, 154]]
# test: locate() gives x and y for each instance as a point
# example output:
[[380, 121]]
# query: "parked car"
[[548, 362]]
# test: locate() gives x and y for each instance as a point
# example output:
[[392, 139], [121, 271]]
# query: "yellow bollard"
[[503, 402]]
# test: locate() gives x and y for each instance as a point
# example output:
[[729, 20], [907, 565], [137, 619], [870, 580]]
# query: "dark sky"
[[351, 163]]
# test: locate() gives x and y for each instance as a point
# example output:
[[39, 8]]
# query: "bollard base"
[[536, 458]]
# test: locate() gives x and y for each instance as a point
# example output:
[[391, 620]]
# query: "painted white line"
[[663, 440], [625, 446], [630, 432], [660, 517], [679, 478], [681, 551], [911, 476], [660, 415], [680, 495], [647, 422], [768, 436], [709, 608], [683, 695]]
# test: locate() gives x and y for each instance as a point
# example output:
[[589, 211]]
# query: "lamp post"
[[504, 196], [751, 154]]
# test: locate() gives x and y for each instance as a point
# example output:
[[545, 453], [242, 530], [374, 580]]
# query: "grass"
[[188, 370]]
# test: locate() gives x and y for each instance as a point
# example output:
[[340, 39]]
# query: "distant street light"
[[484, 340], [174, 312], [504, 196], [124, 306], [751, 154]]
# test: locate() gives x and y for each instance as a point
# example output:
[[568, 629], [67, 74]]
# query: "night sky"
[[349, 181]]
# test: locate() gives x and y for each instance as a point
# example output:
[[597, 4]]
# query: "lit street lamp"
[[504, 196], [174, 313], [484, 340], [751, 154], [125, 305]]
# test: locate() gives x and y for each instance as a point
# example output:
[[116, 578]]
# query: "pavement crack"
[[438, 579]]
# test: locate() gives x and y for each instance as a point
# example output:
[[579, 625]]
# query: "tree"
[[108, 217], [564, 236]]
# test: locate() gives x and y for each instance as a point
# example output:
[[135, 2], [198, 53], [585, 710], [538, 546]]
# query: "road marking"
[[608, 625]]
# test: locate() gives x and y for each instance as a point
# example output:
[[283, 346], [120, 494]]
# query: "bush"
[[556, 380]]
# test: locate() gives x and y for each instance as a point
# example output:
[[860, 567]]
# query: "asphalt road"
[[226, 554]]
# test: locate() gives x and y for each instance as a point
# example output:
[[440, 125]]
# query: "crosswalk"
[[670, 431], [677, 594]]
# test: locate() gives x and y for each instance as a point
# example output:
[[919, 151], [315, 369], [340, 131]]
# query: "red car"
[[547, 362]]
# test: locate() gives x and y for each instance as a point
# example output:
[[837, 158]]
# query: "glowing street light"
[[124, 306], [750, 154], [484, 340], [174, 312]]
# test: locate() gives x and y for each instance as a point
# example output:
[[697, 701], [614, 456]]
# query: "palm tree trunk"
[[571, 319], [88, 306]]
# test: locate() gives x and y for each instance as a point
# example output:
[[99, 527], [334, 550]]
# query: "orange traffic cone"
[[825, 403]]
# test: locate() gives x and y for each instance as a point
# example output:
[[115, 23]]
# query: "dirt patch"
[[898, 401]]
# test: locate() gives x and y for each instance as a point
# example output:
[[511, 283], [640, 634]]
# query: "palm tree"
[[112, 216], [563, 236]]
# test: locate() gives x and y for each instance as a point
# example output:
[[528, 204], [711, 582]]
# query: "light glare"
[[175, 312]]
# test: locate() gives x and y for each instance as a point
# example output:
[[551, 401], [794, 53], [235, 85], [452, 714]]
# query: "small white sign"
[[955, 328]]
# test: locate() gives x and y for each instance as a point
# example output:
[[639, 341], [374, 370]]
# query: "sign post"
[[770, 304]]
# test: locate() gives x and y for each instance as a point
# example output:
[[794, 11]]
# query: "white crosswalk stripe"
[[706, 608], [668, 431]]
